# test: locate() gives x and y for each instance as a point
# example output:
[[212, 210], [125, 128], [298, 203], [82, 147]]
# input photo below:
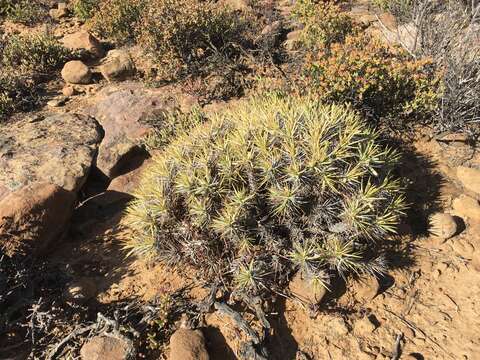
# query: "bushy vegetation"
[[273, 186], [447, 33], [381, 81], [21, 11], [324, 23], [118, 19], [85, 9], [185, 36], [209, 47], [27, 60], [37, 53], [16, 94]]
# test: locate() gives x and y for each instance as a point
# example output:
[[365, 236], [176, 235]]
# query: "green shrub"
[[190, 36], [34, 54], [273, 186], [85, 9], [23, 11], [117, 19], [324, 23], [16, 94], [383, 82]]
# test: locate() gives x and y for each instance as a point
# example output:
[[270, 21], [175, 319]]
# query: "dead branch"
[[397, 352], [238, 320]]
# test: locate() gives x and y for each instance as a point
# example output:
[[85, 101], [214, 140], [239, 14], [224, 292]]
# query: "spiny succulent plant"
[[273, 186]]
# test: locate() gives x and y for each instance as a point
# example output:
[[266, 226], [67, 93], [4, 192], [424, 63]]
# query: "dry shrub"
[[209, 47], [16, 94], [381, 81], [37, 53], [118, 19], [22, 11], [448, 32], [85, 9], [324, 23], [186, 36], [25, 61]]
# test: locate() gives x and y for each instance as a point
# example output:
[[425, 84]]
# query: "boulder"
[[60, 12], [118, 65], [107, 347], [467, 207], [122, 112], [470, 178], [304, 290], [76, 72], [187, 344], [57, 149], [85, 42], [44, 161], [33, 217]]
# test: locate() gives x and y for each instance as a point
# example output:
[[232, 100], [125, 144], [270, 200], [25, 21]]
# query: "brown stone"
[[293, 37], [83, 41], [76, 72], [58, 149], [68, 91], [122, 113], [305, 291], [470, 178], [118, 65], [107, 348], [33, 217], [186, 344]]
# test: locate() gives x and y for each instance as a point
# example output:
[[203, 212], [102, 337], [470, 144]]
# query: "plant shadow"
[[282, 345]]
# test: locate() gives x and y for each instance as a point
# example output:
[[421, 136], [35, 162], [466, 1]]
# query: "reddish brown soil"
[[429, 298]]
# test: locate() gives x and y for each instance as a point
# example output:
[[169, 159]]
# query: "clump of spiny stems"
[[275, 186]]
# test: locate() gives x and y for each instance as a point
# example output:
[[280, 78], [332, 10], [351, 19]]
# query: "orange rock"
[[33, 217], [305, 291], [186, 344], [107, 347]]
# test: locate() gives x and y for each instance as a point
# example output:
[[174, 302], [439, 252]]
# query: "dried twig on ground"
[[397, 352], [416, 328], [238, 320]]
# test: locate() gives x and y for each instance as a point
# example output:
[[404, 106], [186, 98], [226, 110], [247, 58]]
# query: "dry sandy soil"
[[426, 308]]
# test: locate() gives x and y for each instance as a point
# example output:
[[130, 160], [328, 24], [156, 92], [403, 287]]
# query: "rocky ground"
[[68, 170]]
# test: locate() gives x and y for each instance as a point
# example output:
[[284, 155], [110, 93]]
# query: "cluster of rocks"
[[116, 65], [465, 207], [185, 344], [45, 160]]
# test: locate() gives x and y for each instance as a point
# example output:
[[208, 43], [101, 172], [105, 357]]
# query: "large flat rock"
[[44, 161], [122, 111], [57, 149]]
